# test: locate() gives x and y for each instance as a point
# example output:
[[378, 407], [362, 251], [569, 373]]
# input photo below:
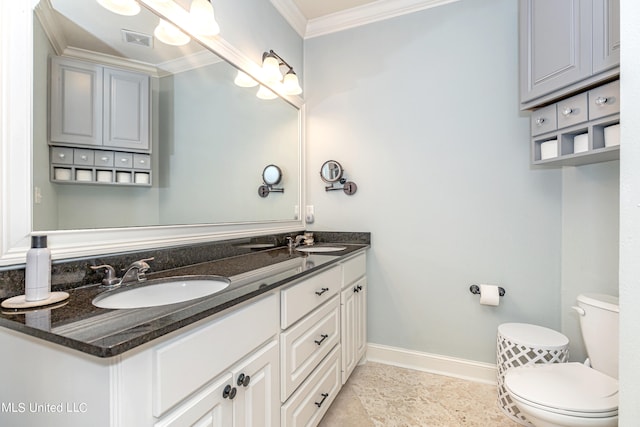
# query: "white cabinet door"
[[348, 326], [76, 102], [257, 402], [209, 408], [361, 319], [126, 109]]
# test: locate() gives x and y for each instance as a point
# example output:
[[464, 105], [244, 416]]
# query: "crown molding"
[[291, 13], [361, 15], [367, 14]]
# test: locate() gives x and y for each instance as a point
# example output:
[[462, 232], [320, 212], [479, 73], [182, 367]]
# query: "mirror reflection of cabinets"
[[201, 129], [93, 106]]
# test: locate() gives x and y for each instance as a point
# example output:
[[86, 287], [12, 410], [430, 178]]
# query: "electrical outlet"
[[309, 216]]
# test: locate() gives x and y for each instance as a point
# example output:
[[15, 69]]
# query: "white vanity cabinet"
[[353, 314], [566, 46], [97, 106]]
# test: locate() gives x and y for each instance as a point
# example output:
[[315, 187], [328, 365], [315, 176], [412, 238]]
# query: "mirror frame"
[[16, 74]]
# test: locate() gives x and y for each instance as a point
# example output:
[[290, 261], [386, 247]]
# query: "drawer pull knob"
[[61, 155], [124, 160], [243, 380], [322, 291], [324, 337], [142, 162], [84, 157], [104, 159], [324, 397], [229, 392], [540, 121], [567, 111], [601, 100]]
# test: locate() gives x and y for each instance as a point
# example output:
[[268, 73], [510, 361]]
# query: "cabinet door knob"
[[322, 291], [324, 397], [243, 380], [229, 392], [567, 111], [540, 121], [601, 100]]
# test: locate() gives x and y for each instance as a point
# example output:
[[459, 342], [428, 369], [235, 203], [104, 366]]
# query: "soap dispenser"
[[38, 271]]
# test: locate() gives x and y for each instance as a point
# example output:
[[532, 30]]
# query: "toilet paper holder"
[[475, 289]]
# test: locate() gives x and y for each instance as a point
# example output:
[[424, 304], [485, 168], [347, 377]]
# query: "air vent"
[[139, 39]]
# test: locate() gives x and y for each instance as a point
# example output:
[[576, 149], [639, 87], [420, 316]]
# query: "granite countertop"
[[76, 323]]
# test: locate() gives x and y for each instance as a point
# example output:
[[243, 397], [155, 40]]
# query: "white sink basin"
[[161, 292], [326, 248]]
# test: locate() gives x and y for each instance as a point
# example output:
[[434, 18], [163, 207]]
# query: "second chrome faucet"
[[135, 273]]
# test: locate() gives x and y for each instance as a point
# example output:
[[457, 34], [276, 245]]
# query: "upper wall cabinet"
[[97, 106], [566, 46]]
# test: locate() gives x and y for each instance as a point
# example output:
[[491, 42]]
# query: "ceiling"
[[312, 9]]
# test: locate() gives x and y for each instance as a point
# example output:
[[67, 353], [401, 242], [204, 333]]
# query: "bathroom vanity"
[[274, 348]]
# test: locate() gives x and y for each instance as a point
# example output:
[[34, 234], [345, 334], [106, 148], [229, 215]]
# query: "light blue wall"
[[590, 224], [422, 112]]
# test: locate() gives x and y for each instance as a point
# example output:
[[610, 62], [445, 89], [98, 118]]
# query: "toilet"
[[575, 394]]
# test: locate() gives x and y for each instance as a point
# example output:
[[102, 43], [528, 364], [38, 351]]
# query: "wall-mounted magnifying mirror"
[[332, 172], [271, 175]]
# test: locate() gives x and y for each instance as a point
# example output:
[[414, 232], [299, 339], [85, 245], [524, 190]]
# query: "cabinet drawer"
[[572, 111], [141, 161], [185, 363], [103, 158], [82, 157], [604, 100], [354, 269], [303, 346], [309, 404], [302, 297], [62, 155], [123, 160], [544, 120]]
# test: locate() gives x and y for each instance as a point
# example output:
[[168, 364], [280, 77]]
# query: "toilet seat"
[[571, 389]]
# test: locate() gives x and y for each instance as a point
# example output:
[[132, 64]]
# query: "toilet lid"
[[565, 388]]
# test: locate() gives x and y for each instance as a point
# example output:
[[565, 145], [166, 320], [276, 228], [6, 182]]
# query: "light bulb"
[[243, 80], [291, 86], [121, 7], [203, 19], [167, 33], [271, 69], [264, 93]]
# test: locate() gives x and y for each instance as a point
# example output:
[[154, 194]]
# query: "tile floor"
[[379, 395]]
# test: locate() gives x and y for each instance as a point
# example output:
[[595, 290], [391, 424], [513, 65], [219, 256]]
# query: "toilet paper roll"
[[489, 295]]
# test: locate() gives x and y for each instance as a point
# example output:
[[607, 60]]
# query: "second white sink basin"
[[326, 248], [161, 292]]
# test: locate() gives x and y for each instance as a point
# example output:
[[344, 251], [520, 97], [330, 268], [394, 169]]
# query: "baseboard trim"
[[433, 363]]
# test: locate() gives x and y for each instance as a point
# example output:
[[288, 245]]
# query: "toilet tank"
[[599, 325]]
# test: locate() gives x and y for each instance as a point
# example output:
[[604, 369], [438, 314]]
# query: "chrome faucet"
[[294, 242], [135, 273]]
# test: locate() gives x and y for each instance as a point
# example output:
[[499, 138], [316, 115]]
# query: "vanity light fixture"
[[244, 80], [203, 18], [167, 33], [121, 7], [266, 93], [271, 63]]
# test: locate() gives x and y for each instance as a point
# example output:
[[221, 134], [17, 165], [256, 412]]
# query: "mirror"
[[271, 175], [205, 131], [331, 171]]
